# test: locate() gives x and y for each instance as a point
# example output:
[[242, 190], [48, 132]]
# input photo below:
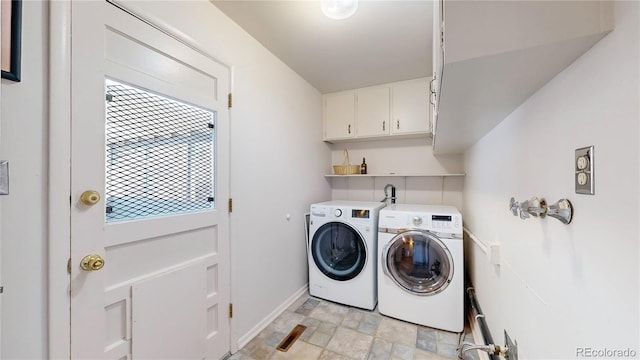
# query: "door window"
[[159, 154], [338, 251], [419, 262]]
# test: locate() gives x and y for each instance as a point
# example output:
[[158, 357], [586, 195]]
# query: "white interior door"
[[150, 135]]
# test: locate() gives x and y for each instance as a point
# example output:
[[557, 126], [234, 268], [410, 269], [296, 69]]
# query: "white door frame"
[[59, 230], [0, 217]]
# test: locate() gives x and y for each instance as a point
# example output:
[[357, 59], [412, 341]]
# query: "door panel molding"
[[136, 9], [127, 232]]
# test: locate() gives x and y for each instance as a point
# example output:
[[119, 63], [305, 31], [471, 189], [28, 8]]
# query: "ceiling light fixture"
[[338, 9]]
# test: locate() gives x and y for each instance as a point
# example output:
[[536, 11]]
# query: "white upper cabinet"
[[389, 110], [373, 111], [411, 107], [499, 53], [340, 115], [437, 62]]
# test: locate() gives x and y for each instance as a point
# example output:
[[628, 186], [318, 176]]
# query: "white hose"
[[491, 349]]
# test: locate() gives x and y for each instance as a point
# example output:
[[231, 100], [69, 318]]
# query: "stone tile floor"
[[341, 332]]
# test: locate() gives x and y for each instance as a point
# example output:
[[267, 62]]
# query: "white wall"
[[23, 142], [277, 158], [562, 287], [406, 156]]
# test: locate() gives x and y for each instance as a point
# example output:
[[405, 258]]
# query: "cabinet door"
[[373, 111], [339, 116], [438, 61], [411, 107]]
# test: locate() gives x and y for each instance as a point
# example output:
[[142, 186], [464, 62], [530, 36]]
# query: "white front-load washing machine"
[[421, 270], [342, 252]]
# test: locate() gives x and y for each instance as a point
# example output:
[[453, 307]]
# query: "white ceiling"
[[385, 41]]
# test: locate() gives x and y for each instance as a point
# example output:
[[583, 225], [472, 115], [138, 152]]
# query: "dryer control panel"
[[444, 223], [435, 222]]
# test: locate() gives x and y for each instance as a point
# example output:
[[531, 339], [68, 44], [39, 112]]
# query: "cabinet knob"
[[349, 129], [383, 127], [398, 124]]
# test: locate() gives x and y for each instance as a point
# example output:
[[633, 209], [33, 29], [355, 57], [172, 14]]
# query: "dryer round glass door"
[[338, 251], [418, 262]]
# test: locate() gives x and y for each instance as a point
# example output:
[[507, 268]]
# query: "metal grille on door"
[[159, 155]]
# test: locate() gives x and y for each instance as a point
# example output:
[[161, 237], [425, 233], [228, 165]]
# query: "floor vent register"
[[288, 341]]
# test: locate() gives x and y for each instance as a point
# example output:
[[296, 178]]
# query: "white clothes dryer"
[[343, 241], [421, 270]]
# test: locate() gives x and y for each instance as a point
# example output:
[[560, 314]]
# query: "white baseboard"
[[244, 339]]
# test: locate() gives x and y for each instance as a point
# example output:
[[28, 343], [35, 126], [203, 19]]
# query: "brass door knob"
[[90, 197], [92, 262]]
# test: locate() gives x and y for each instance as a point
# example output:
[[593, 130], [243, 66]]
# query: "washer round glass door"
[[338, 251], [418, 262]]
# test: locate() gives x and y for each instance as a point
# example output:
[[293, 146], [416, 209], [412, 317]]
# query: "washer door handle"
[[383, 259]]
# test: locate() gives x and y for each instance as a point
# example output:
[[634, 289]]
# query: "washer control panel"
[[341, 212]]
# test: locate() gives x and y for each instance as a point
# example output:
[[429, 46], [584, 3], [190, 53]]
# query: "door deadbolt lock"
[[92, 262], [90, 197]]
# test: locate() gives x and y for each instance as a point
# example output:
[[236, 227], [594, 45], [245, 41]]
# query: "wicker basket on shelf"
[[346, 168]]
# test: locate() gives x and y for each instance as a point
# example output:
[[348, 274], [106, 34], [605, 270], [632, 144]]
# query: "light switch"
[[583, 168], [4, 177]]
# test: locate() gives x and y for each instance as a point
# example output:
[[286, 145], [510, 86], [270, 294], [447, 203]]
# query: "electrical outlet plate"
[[583, 168], [512, 347]]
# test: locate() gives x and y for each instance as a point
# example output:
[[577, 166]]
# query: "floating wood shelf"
[[394, 175]]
